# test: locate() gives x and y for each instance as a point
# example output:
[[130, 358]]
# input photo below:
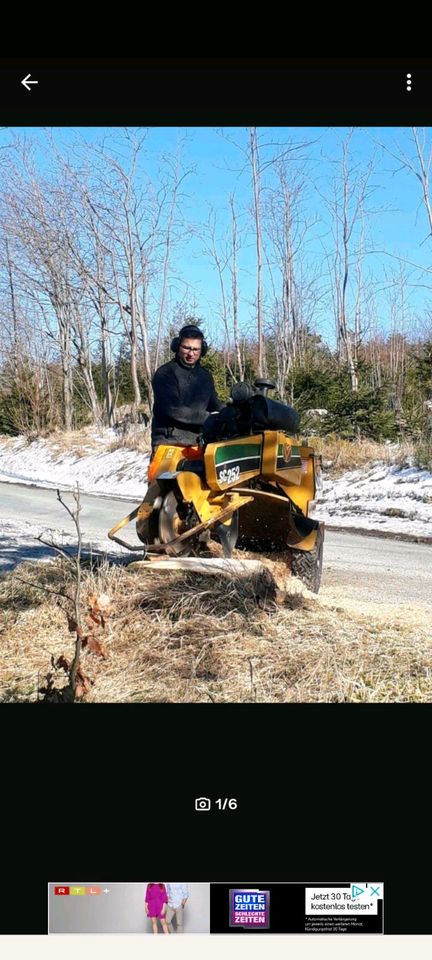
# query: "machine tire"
[[307, 564]]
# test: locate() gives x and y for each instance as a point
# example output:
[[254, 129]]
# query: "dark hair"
[[161, 885]]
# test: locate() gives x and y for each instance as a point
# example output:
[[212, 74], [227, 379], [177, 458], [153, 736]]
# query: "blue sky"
[[218, 167]]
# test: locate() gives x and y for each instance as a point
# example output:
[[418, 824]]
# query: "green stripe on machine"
[[295, 451], [237, 452]]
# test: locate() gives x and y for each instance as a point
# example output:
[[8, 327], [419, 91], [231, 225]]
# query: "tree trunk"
[[234, 291], [256, 189], [66, 366], [108, 399], [15, 349]]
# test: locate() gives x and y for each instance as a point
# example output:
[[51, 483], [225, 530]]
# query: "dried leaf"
[[95, 618], [97, 647], [100, 604], [83, 680]]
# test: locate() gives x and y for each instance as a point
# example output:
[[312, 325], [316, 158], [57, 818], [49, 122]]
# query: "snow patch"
[[121, 473], [393, 499]]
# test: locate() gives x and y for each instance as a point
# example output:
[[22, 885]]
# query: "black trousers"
[[179, 437]]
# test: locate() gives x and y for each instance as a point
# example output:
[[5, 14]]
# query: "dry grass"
[[138, 439], [176, 638], [346, 455], [84, 442], [81, 442]]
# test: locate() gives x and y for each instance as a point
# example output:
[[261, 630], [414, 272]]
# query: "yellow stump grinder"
[[249, 484]]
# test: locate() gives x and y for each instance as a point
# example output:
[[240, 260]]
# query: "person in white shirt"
[[178, 895]]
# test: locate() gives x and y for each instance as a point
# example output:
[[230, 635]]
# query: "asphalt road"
[[362, 567], [36, 505], [375, 569]]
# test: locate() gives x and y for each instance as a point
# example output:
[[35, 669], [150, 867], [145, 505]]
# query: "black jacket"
[[183, 398]]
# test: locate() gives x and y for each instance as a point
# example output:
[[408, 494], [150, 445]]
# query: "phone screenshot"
[[216, 506]]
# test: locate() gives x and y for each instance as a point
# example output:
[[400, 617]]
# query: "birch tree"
[[347, 204]]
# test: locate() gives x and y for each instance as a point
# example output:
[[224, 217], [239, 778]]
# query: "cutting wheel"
[[171, 525]]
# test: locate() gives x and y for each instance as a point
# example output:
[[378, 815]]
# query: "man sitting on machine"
[[184, 392]]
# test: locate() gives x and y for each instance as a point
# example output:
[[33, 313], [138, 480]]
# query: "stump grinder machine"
[[249, 484]]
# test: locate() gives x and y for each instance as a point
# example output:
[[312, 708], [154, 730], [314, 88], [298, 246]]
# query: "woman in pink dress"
[[156, 900]]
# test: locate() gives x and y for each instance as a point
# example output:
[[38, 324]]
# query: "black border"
[[86, 788], [219, 91]]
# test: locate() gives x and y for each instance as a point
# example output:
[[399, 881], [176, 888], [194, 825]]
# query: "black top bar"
[[215, 91]]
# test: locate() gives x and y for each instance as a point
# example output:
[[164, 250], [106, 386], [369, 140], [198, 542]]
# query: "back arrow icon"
[[26, 82]]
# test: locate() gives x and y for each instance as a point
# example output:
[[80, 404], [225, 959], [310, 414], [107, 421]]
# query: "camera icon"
[[202, 803]]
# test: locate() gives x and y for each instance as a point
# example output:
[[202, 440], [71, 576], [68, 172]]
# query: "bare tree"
[[234, 289], [398, 339], [34, 216], [254, 160], [351, 189], [287, 230], [176, 178], [419, 166], [128, 218], [424, 157]]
